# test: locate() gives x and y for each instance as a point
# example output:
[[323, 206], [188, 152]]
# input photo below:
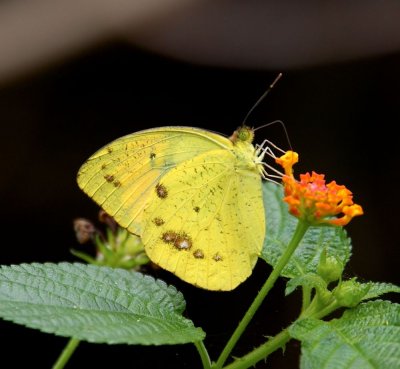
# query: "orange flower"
[[313, 200], [287, 161]]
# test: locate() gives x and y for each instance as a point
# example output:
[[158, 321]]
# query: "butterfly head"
[[242, 134]]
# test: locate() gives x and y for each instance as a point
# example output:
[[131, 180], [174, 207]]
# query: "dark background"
[[341, 118]]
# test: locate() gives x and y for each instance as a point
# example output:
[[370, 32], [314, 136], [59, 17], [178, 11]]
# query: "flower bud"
[[329, 268], [133, 244], [350, 293]]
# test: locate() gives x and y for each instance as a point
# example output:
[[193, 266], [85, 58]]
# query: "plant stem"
[[283, 260], [306, 297], [66, 353], [279, 340], [205, 358], [261, 352], [324, 311]]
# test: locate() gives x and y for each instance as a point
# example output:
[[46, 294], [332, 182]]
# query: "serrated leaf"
[[377, 289], [280, 228], [366, 337], [94, 303], [311, 280]]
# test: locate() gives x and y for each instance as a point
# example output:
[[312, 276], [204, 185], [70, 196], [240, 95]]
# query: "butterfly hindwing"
[[209, 228]]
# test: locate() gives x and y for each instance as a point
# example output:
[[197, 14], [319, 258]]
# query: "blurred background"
[[76, 75]]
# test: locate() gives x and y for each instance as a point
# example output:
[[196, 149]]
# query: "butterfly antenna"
[[283, 127], [271, 86]]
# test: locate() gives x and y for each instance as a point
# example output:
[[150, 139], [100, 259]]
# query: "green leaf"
[[377, 289], [311, 280], [280, 229], [366, 337], [96, 304]]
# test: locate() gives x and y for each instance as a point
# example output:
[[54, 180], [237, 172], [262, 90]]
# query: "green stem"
[[280, 339], [283, 260], [306, 297], [324, 311], [205, 358], [66, 354], [261, 352]]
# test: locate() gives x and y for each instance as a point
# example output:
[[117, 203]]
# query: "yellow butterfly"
[[193, 196]]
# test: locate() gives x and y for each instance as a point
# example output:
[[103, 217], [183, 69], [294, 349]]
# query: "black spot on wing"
[[158, 221], [109, 178], [161, 191], [198, 254]]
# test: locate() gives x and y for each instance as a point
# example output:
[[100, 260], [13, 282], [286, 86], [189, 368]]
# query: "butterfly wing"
[[122, 175], [210, 228]]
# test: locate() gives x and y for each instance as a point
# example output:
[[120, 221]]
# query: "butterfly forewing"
[[122, 176]]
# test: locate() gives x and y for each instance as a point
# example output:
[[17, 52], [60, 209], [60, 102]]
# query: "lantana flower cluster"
[[312, 199]]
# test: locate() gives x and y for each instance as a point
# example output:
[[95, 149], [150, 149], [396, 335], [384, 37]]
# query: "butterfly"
[[192, 195]]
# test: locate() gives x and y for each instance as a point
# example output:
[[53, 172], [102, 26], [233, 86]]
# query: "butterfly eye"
[[245, 134]]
